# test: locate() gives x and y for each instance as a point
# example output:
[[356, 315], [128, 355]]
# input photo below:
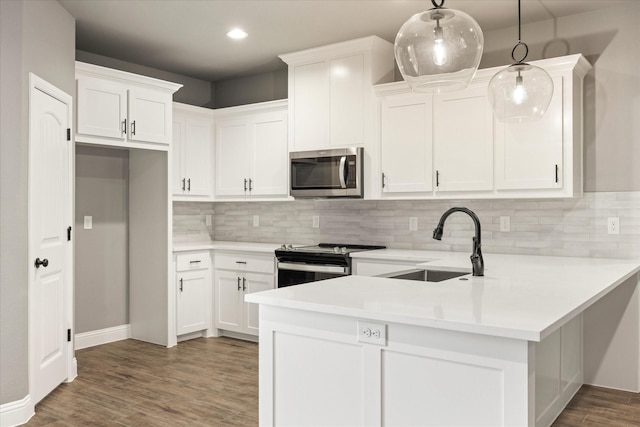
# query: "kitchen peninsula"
[[503, 349]]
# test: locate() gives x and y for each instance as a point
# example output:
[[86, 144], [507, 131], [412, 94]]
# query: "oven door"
[[293, 273], [327, 173]]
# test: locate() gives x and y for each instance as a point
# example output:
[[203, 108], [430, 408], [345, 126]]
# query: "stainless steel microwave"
[[327, 173]]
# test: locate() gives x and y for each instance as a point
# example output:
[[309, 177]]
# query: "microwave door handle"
[[341, 172]]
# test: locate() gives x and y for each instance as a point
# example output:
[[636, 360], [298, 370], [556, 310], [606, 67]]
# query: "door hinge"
[[68, 134], [69, 234], [68, 335]]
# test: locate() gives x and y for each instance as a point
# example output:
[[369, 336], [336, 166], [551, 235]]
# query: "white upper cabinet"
[[544, 158], [251, 151], [529, 155], [192, 151], [463, 140], [406, 143], [122, 109], [331, 92], [472, 155]]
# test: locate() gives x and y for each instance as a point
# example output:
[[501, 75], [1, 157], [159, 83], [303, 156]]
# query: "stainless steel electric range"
[[303, 264]]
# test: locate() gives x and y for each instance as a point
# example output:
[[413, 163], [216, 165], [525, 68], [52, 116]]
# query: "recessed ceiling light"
[[237, 34]]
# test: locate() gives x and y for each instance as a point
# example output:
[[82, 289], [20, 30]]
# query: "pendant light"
[[439, 50], [521, 92]]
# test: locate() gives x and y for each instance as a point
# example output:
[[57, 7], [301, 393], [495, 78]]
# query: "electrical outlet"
[[505, 224], [413, 223], [256, 220], [613, 225], [372, 333], [207, 220], [88, 222], [316, 221]]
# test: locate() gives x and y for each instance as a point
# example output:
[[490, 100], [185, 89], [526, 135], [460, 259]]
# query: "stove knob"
[[283, 247], [343, 249], [289, 247], [336, 249]]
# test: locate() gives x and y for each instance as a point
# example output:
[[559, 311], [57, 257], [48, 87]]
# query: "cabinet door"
[[229, 303], [192, 298], [406, 143], [178, 186], [150, 115], [347, 101], [527, 154], [463, 140], [311, 93], [232, 164], [269, 155], [198, 157], [102, 108], [255, 283]]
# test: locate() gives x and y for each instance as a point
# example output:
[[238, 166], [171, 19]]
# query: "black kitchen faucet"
[[477, 263]]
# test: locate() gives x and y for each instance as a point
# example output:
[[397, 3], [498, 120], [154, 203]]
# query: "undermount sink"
[[425, 275]]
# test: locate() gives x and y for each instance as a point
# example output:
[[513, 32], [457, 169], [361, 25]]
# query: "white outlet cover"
[[413, 223], [88, 222], [256, 220], [316, 221], [613, 225], [372, 333], [505, 224]]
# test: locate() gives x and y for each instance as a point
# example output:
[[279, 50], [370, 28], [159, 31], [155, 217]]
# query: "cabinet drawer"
[[193, 261], [245, 262]]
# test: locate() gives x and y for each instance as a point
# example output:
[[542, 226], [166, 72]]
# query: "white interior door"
[[49, 247]]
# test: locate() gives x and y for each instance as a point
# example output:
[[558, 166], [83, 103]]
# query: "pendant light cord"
[[520, 42]]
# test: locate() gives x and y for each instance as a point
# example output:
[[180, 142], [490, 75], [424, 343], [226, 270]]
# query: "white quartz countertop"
[[227, 246], [522, 297]]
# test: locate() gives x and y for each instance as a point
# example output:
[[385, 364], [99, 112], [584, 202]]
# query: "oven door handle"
[[314, 268]]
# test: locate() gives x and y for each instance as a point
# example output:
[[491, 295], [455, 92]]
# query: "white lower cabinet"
[[413, 376], [193, 292], [236, 275]]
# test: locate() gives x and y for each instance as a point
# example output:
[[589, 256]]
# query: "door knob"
[[44, 262]]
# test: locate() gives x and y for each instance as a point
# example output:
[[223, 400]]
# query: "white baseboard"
[[102, 336], [16, 412]]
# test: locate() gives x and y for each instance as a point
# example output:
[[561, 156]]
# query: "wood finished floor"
[[214, 382]]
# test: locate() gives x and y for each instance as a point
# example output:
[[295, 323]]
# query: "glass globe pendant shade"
[[520, 93], [439, 50]]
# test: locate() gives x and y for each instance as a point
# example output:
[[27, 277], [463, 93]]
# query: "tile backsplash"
[[563, 227]]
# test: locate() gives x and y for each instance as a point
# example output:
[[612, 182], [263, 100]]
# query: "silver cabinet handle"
[[383, 177], [181, 282], [124, 127], [189, 184], [250, 184], [238, 283], [244, 284], [241, 262], [195, 262], [133, 127], [184, 187], [341, 174], [245, 184], [437, 178]]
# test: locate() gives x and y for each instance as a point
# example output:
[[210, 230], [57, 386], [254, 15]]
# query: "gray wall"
[[37, 36], [251, 89], [194, 91], [102, 253]]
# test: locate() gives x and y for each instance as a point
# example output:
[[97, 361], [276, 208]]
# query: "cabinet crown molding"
[[124, 77], [370, 43]]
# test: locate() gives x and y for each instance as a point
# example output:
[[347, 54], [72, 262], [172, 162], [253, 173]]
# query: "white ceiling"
[[188, 36]]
